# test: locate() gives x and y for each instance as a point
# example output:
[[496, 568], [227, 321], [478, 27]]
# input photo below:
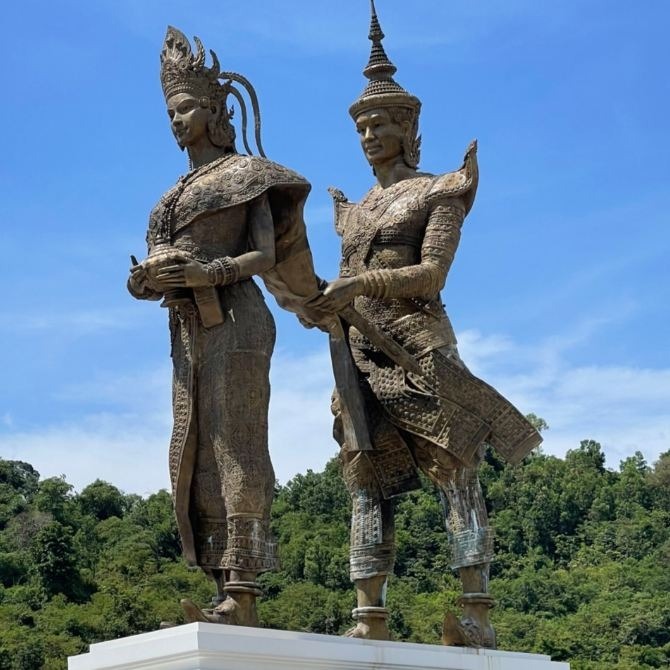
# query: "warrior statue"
[[424, 410], [230, 217]]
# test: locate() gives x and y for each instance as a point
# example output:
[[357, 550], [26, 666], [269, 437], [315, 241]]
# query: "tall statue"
[[229, 218], [424, 410]]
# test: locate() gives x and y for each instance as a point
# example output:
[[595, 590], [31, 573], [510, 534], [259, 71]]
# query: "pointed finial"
[[381, 89], [379, 66], [376, 32]]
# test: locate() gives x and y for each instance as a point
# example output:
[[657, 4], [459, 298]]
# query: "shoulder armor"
[[236, 181], [460, 184], [342, 209]]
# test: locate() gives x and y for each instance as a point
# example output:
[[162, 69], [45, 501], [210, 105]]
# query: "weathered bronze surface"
[[229, 218], [424, 410]]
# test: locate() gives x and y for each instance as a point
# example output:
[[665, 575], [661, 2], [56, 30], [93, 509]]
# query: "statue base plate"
[[204, 646]]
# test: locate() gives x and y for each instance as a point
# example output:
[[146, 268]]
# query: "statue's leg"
[[208, 512], [471, 541], [372, 545], [233, 397]]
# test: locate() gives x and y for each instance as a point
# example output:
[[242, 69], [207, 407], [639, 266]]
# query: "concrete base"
[[203, 646]]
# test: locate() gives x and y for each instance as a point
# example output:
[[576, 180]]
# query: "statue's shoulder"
[[343, 208], [243, 178], [266, 171], [461, 183]]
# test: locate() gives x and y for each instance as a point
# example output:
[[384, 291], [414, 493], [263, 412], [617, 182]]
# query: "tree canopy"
[[581, 571]]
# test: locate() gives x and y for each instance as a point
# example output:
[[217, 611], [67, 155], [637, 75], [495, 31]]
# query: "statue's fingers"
[[171, 268], [171, 277]]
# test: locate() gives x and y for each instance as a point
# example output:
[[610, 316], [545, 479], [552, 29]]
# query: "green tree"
[[101, 500], [55, 559]]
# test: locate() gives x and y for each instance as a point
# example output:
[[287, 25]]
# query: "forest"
[[581, 571]]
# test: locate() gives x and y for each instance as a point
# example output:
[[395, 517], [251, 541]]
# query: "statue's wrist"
[[223, 271], [373, 283]]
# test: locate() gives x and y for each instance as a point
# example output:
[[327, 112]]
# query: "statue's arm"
[[261, 256], [425, 279]]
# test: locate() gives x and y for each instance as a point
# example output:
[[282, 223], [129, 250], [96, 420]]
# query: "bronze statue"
[[230, 217], [425, 411]]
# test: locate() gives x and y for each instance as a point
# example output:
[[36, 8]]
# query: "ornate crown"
[[182, 72], [382, 90]]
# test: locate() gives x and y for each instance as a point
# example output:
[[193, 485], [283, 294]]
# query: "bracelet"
[[223, 271], [376, 283]]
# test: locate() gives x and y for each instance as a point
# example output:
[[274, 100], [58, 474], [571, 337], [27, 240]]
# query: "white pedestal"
[[203, 646]]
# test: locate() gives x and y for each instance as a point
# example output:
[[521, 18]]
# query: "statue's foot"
[[194, 614], [229, 612], [371, 624], [362, 631], [239, 611], [468, 632]]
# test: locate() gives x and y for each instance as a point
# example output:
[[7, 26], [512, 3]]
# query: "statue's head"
[[387, 132], [196, 99], [385, 109]]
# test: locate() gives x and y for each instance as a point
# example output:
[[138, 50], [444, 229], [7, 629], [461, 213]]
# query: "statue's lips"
[[373, 148]]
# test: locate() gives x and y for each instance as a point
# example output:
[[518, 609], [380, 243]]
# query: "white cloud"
[[128, 444], [77, 322], [300, 418], [117, 448], [625, 408]]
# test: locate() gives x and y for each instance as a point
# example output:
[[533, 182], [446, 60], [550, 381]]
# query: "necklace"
[[164, 233]]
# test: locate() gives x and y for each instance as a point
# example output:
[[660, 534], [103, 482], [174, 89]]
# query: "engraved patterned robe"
[[222, 477], [401, 241]]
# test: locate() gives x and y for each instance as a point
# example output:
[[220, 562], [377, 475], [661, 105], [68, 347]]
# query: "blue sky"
[[560, 289]]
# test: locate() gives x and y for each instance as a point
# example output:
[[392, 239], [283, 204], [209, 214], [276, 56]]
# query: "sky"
[[559, 293]]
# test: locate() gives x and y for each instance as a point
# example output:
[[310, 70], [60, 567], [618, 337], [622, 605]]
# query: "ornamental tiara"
[[182, 72], [382, 90]]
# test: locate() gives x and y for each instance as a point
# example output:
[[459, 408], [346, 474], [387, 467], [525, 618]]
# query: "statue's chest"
[[396, 218], [182, 204]]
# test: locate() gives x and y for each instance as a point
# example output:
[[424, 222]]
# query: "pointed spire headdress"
[[382, 90], [184, 72]]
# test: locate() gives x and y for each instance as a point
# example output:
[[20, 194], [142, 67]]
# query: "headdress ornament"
[[382, 90], [184, 72]]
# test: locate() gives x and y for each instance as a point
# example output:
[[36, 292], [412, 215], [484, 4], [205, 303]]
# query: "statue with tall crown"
[[425, 411], [230, 217]]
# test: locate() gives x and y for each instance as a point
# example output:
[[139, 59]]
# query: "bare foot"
[[375, 630], [468, 632]]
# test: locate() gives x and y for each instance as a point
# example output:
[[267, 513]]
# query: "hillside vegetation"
[[582, 569]]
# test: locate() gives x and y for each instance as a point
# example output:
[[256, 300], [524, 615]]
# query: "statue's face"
[[381, 137], [188, 119]]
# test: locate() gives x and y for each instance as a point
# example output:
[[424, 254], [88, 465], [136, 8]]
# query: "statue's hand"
[[138, 280], [310, 318], [337, 295], [189, 273]]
